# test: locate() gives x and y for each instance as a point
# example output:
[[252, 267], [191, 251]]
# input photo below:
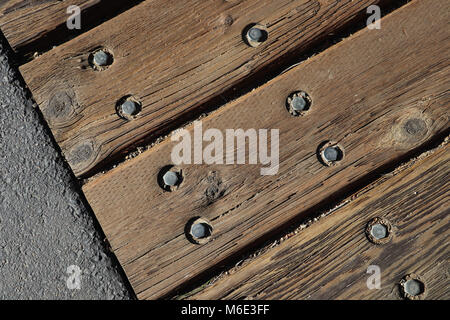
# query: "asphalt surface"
[[50, 244]]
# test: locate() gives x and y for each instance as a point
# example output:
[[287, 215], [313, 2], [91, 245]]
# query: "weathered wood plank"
[[170, 57], [379, 94], [23, 21], [330, 259], [26, 21]]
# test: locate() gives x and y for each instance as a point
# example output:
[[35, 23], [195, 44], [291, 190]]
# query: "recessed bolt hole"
[[128, 108], [379, 230], [170, 178], [412, 287], [255, 34], [330, 153], [298, 103], [199, 231], [101, 59]]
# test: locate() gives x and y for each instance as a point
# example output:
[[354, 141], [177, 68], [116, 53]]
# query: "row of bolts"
[[129, 108], [200, 230], [297, 104]]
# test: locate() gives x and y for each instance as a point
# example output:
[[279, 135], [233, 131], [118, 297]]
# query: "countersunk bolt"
[[256, 34], [199, 231], [413, 287], [330, 153], [101, 60], [128, 107], [298, 103], [379, 230], [170, 178]]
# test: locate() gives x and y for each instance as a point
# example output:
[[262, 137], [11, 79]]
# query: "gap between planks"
[[224, 276], [33, 27], [170, 58], [330, 258]]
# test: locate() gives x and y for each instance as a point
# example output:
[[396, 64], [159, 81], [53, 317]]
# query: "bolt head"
[[256, 34], [298, 103], [379, 231], [200, 230], [129, 108], [413, 287], [331, 154], [170, 179], [101, 58]]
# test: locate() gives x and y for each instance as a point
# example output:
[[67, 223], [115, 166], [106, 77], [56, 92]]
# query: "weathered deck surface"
[[381, 95], [23, 21], [172, 59], [34, 25], [330, 259]]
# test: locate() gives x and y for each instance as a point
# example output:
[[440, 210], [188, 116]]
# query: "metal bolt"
[[170, 178], [101, 58], [298, 103], [413, 287], [331, 154], [379, 231], [255, 35], [200, 230], [129, 108]]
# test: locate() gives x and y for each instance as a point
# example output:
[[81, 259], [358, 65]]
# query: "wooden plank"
[[23, 21], [378, 94], [26, 21], [330, 259], [170, 57]]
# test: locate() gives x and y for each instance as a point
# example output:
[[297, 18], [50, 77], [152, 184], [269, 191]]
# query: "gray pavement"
[[50, 244]]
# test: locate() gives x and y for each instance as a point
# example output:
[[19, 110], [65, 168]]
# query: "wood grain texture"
[[35, 26], [23, 21], [379, 94], [172, 58], [330, 259]]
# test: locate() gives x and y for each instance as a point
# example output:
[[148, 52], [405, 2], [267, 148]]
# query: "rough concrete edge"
[[98, 238]]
